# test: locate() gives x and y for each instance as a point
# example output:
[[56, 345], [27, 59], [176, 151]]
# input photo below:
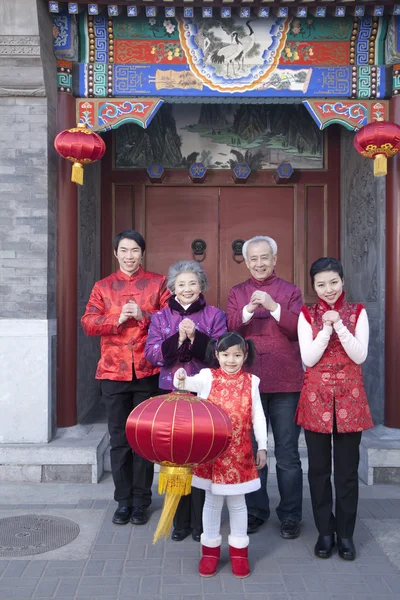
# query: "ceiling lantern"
[[81, 146], [379, 140]]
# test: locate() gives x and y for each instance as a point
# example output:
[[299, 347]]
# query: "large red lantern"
[[178, 431], [379, 140], [81, 146]]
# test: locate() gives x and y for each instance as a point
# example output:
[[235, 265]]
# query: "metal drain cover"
[[35, 534]]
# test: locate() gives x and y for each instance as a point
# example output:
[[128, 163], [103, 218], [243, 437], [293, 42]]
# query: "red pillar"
[[392, 316], [67, 274]]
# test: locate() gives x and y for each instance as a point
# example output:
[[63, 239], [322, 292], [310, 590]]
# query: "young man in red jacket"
[[266, 309], [119, 311]]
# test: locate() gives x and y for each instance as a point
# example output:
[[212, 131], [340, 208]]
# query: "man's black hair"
[[130, 234]]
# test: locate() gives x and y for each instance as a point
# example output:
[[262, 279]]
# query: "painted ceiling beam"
[[292, 6]]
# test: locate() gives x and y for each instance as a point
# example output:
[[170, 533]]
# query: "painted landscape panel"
[[222, 135]]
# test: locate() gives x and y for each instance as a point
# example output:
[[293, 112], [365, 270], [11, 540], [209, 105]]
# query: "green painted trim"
[[380, 41], [339, 122], [83, 40]]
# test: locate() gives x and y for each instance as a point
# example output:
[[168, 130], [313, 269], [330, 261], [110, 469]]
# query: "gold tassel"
[[175, 482], [380, 165], [77, 173]]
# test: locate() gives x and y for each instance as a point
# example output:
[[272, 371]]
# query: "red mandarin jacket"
[[122, 345], [277, 362]]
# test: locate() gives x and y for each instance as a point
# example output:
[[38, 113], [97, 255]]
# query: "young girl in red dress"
[[234, 473]]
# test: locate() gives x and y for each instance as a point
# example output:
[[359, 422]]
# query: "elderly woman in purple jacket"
[[178, 337]]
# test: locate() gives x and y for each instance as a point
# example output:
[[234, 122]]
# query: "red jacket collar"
[[264, 282], [337, 306], [121, 275]]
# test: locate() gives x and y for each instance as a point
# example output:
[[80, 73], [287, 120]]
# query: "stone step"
[[75, 455]]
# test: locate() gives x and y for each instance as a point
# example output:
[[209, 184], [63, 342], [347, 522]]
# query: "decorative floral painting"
[[222, 135]]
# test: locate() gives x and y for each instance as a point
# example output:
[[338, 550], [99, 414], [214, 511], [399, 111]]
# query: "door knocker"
[[199, 250], [237, 255]]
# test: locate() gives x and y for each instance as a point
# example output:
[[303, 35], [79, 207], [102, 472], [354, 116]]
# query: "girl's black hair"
[[227, 340], [325, 264], [130, 234]]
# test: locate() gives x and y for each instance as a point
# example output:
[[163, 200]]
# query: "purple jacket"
[[162, 343], [277, 362]]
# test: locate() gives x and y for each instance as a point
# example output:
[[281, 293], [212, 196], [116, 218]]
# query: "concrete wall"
[[27, 218], [88, 389], [363, 257]]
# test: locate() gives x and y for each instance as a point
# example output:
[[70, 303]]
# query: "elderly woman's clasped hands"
[[187, 330]]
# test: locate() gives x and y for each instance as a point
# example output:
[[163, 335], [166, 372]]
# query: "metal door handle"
[[199, 248], [237, 246]]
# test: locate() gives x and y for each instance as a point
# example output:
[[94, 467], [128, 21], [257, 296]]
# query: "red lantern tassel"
[[77, 173], [175, 482], [380, 165]]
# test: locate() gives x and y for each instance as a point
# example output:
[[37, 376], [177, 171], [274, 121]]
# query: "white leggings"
[[212, 520]]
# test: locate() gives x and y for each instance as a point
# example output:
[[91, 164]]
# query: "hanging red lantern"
[[177, 431], [379, 140], [81, 146]]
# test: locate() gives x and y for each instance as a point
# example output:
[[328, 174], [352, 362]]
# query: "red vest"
[[236, 464], [335, 384]]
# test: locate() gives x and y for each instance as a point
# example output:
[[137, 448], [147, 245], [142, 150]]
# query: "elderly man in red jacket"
[[119, 311], [265, 308]]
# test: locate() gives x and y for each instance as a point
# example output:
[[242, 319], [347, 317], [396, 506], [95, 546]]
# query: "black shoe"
[[180, 534], [196, 535], [324, 545], [139, 516], [346, 548], [254, 523], [290, 529], [122, 514]]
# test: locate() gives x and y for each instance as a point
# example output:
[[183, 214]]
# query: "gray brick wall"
[[27, 163]]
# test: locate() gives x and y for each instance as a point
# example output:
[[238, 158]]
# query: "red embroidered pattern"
[[236, 464], [335, 383]]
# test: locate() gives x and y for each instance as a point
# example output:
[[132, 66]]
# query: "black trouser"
[[346, 456], [190, 510], [132, 474]]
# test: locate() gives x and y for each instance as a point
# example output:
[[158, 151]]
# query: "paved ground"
[[109, 562]]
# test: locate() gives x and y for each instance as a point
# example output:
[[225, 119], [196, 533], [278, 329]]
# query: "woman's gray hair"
[[186, 266], [260, 238]]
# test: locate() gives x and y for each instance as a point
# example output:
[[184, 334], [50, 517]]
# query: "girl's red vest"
[[335, 384]]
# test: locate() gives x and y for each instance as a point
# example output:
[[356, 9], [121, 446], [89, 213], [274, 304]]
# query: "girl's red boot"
[[209, 561], [240, 561]]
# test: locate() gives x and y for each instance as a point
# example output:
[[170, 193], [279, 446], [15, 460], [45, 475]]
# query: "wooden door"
[[255, 211], [175, 217]]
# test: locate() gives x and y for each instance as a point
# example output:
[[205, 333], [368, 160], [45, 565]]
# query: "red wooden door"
[[255, 211], [175, 216]]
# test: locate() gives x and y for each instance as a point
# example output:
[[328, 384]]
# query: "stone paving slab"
[[121, 562]]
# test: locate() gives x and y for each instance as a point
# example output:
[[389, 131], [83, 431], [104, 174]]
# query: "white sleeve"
[[355, 346], [246, 315], [277, 313], [311, 349], [257, 415], [200, 383]]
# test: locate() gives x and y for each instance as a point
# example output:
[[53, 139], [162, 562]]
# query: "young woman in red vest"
[[333, 407]]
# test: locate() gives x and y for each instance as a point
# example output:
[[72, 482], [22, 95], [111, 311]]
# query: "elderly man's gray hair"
[[260, 238], [186, 266]]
